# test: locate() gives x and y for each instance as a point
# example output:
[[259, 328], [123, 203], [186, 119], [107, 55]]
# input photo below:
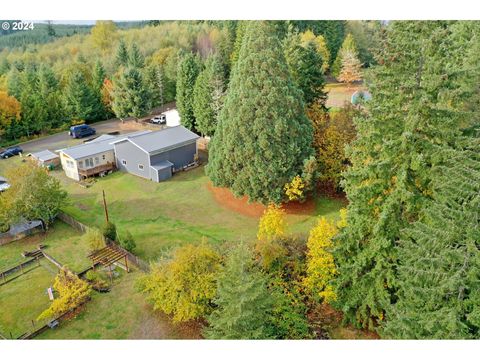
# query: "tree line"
[[85, 77]]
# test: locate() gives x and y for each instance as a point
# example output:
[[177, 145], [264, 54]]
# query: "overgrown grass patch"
[[23, 299]]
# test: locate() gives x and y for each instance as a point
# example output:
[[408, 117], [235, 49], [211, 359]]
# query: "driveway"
[[62, 140]]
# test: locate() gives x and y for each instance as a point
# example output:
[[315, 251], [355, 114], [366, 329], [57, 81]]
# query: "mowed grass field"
[[62, 242], [121, 313], [24, 298], [179, 211]]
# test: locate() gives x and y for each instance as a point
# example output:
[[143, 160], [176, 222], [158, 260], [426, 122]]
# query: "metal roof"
[[102, 138], [162, 165], [45, 155], [97, 147], [161, 140]]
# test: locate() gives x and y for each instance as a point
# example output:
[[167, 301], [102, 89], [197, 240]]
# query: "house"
[[158, 154], [46, 158], [95, 157]]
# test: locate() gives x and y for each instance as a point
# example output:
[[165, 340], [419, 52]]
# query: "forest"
[[402, 261]]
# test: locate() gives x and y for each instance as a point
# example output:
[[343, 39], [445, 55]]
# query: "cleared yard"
[[62, 242], [23, 299], [339, 93], [175, 212], [121, 314]]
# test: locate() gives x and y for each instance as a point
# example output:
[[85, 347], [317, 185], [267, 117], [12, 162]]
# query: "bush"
[[97, 281], [127, 242], [94, 238], [110, 231]]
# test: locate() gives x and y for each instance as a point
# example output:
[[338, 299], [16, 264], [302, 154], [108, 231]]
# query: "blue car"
[[80, 131], [11, 151]]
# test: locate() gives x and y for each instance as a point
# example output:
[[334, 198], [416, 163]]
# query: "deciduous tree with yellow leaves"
[[321, 268], [71, 292], [184, 285], [271, 229]]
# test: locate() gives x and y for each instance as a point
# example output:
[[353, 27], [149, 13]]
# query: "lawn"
[[24, 298], [120, 314], [339, 93], [62, 242], [171, 213]]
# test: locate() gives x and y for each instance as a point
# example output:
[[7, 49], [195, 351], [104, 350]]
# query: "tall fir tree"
[[131, 96], [208, 95], [390, 180], [439, 256], [348, 46], [263, 137], [305, 66], [243, 302], [79, 98], [135, 57], [122, 57], [188, 70]]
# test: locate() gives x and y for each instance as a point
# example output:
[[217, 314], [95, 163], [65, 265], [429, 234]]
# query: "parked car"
[[4, 185], [80, 131], [11, 151], [159, 119]]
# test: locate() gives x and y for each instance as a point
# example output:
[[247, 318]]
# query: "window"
[[80, 164], [97, 161], [89, 162], [124, 162], [140, 167]]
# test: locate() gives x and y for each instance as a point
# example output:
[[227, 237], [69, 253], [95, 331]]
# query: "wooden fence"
[[20, 267], [72, 221], [135, 260]]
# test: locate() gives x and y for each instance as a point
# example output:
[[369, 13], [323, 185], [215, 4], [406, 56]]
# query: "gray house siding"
[[133, 156], [179, 157], [161, 174]]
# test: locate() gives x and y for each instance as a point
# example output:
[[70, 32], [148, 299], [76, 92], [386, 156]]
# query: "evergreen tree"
[[263, 137], [131, 97], [390, 180], [351, 70], [243, 302], [188, 71], [348, 46], [155, 80], [122, 57], [439, 257], [79, 98], [51, 114], [98, 78], [208, 95], [135, 57], [305, 66]]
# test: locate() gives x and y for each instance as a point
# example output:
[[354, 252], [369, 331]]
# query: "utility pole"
[[105, 206]]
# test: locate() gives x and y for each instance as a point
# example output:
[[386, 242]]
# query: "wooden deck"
[[96, 170]]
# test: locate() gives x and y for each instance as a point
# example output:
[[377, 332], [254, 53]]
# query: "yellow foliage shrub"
[[271, 229], [294, 189], [321, 268], [72, 292]]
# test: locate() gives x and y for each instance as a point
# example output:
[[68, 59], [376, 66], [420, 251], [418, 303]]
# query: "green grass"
[[171, 213], [62, 242], [120, 314], [23, 299]]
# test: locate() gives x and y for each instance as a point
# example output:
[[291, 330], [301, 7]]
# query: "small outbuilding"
[[46, 159]]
